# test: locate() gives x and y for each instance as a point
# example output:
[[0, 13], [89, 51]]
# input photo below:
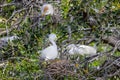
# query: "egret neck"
[[53, 43]]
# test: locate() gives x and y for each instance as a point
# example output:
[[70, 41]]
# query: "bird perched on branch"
[[50, 52], [81, 49], [47, 9]]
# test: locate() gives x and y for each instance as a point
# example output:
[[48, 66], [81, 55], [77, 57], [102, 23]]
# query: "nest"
[[60, 69]]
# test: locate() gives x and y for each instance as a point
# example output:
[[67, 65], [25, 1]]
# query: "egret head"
[[52, 37], [47, 9]]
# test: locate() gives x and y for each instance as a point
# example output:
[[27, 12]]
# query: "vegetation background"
[[89, 22]]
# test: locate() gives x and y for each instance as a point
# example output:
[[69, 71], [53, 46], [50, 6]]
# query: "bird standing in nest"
[[50, 52]]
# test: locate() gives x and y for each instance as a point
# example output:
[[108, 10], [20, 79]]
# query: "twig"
[[16, 13], [111, 40], [9, 4]]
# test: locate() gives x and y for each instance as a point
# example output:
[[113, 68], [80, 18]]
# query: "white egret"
[[81, 49], [11, 38], [4, 40], [47, 9], [50, 52]]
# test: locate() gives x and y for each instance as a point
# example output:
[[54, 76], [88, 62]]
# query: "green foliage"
[[20, 69], [2, 25], [65, 6], [8, 1], [21, 56]]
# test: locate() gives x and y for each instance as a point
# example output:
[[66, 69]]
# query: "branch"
[[113, 41], [9, 4]]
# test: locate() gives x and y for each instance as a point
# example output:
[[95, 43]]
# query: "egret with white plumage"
[[51, 51], [4, 40], [81, 49], [10, 38]]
